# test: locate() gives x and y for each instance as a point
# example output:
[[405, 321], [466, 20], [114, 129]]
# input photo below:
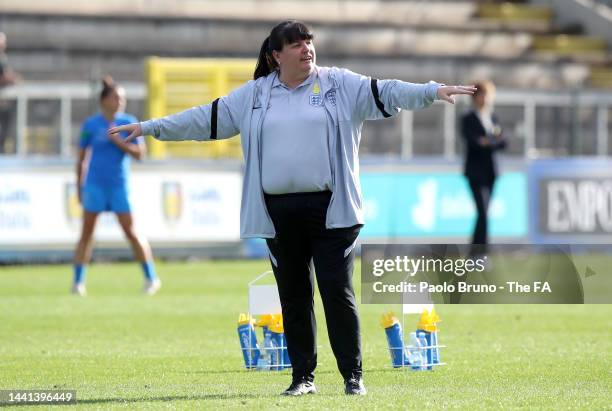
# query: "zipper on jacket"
[[332, 151], [264, 109]]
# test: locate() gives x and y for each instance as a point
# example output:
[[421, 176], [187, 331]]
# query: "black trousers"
[[481, 191], [301, 236]]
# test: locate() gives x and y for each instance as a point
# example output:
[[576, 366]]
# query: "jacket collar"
[[326, 79], [309, 80]]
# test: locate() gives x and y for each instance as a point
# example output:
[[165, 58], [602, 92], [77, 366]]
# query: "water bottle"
[[426, 352], [248, 341], [393, 330], [269, 358], [427, 325], [278, 338], [273, 351], [435, 352], [415, 358], [263, 363]]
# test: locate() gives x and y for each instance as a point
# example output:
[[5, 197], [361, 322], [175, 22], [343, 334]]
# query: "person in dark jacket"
[[483, 136]]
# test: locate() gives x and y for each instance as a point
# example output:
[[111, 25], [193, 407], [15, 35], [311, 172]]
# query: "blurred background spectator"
[[483, 137], [8, 77]]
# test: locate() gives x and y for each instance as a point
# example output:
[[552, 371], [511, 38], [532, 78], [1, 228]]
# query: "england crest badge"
[[315, 98]]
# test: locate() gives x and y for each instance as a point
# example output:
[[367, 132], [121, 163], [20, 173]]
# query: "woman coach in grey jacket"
[[300, 126]]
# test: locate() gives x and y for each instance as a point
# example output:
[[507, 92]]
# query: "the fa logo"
[[315, 100], [74, 211], [331, 97], [172, 200]]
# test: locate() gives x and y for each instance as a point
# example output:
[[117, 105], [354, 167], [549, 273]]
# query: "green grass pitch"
[[179, 349]]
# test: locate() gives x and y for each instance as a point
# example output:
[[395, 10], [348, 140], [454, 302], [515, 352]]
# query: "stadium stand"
[[49, 43], [519, 45]]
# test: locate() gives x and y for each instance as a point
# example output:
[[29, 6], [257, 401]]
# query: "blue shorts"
[[98, 198]]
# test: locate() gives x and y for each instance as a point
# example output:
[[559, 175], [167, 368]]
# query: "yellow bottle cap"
[[277, 328], [428, 321], [243, 318], [265, 320], [434, 316], [388, 320]]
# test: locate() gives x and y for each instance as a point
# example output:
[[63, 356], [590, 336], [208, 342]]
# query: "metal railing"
[[19, 99], [539, 123]]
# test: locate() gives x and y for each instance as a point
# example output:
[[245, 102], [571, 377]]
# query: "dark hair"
[[108, 86], [287, 32]]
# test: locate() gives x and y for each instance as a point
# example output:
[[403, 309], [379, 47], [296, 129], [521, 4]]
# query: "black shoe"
[[300, 387], [354, 386]]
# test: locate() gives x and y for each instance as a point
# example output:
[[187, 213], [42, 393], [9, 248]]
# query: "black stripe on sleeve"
[[213, 120], [379, 103]]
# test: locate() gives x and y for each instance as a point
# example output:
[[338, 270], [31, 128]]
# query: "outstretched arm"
[[217, 120], [375, 99]]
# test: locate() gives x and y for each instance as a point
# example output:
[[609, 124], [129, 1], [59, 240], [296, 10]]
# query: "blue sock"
[[148, 268], [79, 273]]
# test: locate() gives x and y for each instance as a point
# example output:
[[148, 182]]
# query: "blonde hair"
[[484, 87]]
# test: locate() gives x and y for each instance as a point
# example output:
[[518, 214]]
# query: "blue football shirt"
[[108, 165]]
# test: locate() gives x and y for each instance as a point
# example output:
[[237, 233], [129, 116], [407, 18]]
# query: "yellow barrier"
[[510, 12], [570, 44], [176, 84], [601, 77]]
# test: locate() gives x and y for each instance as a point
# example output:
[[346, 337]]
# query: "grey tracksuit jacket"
[[349, 100]]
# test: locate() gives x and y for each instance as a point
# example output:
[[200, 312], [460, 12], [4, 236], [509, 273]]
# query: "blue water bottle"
[[427, 328], [278, 337], [393, 330], [248, 341]]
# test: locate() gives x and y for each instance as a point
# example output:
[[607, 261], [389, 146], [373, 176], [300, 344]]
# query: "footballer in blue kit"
[[103, 168], [106, 184]]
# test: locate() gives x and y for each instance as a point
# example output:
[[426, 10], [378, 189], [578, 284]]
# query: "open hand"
[[447, 93]]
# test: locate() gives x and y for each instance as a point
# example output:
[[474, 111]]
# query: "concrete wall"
[[596, 19]]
